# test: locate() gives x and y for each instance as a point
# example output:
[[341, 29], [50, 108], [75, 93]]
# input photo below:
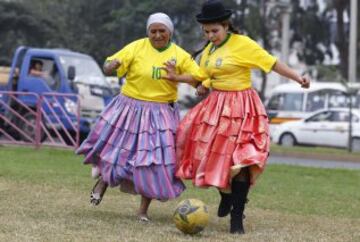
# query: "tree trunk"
[[266, 46], [342, 37]]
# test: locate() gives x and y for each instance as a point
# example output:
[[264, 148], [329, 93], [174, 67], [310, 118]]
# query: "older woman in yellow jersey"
[[133, 141], [224, 140]]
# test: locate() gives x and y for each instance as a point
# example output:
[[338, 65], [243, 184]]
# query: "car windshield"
[[86, 69]]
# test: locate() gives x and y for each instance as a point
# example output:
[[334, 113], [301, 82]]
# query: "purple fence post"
[[38, 123], [78, 122]]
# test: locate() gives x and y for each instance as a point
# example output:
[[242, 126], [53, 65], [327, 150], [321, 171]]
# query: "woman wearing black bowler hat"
[[224, 140]]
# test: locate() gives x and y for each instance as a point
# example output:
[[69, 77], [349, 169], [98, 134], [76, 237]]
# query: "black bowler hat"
[[213, 11]]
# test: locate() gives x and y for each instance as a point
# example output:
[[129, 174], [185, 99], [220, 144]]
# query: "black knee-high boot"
[[240, 191], [225, 204]]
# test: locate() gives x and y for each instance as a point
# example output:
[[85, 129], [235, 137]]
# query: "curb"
[[318, 156]]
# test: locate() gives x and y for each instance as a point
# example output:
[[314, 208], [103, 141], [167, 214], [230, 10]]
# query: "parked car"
[[323, 128], [288, 102]]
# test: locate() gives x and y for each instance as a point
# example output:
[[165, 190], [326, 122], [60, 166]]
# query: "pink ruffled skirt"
[[225, 132]]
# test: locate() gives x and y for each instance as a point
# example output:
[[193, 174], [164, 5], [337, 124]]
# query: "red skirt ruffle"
[[223, 133]]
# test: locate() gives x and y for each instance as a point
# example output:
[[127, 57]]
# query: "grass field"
[[44, 197], [318, 152]]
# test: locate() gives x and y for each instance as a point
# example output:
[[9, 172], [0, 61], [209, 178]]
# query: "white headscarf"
[[160, 18]]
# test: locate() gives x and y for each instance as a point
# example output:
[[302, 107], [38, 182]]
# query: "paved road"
[[273, 159]]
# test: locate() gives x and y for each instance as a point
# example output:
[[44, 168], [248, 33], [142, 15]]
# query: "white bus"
[[290, 102]]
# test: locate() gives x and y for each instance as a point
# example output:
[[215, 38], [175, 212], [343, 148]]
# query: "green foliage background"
[[101, 27]]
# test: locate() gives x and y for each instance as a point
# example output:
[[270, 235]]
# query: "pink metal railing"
[[48, 128], [10, 121]]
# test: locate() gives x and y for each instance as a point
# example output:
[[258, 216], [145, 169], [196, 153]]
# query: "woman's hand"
[[284, 70], [111, 66], [170, 68], [201, 90], [304, 82], [115, 64]]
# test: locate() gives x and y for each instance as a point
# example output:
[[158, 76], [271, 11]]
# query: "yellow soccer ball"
[[191, 216]]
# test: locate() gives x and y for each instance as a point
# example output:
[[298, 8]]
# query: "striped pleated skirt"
[[133, 142]]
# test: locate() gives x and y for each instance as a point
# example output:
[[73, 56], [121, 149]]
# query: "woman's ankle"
[[95, 172]]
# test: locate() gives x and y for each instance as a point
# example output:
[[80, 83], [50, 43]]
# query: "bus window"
[[356, 101], [337, 99], [274, 102], [286, 102], [315, 101]]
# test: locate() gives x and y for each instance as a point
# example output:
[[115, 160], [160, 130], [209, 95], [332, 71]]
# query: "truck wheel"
[[29, 129], [10, 129], [287, 140], [355, 142]]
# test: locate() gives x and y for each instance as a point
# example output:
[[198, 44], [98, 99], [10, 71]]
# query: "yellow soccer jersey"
[[229, 65], [142, 63]]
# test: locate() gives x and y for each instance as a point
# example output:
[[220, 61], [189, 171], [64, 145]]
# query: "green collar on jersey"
[[215, 47], [164, 48]]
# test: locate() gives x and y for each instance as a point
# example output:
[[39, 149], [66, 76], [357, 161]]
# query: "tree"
[[310, 31], [101, 27], [342, 40], [21, 26]]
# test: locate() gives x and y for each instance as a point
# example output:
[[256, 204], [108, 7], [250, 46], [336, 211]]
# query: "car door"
[[312, 130], [334, 131]]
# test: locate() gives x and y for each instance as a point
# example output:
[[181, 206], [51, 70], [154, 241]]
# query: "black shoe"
[[236, 224], [225, 204], [240, 191]]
